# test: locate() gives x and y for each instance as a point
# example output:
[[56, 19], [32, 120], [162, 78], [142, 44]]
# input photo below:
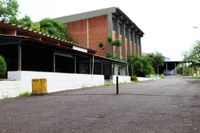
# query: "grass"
[[161, 76], [108, 84], [24, 94], [196, 77]]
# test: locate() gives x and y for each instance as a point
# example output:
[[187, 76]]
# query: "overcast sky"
[[167, 24]]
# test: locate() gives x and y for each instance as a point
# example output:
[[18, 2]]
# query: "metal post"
[[117, 85]]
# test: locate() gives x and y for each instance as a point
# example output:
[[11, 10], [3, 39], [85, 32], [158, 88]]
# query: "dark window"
[[121, 29], [131, 35], [114, 24], [126, 35]]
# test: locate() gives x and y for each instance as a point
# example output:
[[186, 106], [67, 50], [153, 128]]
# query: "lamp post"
[[196, 27]]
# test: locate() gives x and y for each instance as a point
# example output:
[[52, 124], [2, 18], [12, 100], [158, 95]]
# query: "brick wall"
[[78, 31], [91, 31], [98, 30], [120, 48]]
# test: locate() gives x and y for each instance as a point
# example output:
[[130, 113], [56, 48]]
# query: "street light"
[[196, 27]]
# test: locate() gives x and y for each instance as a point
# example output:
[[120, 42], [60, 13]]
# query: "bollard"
[[39, 86], [117, 85]]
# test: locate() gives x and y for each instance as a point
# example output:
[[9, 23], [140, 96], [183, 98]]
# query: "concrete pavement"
[[170, 105]]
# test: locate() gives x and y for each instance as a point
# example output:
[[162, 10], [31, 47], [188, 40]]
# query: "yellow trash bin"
[[39, 86]]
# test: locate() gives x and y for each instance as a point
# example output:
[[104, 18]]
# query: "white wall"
[[10, 89], [55, 81], [121, 79]]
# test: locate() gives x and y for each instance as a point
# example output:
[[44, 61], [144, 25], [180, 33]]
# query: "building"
[[66, 65], [90, 28]]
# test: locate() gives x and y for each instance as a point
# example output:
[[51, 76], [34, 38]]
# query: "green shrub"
[[3, 66], [24, 94], [196, 77], [134, 78], [109, 39], [100, 44], [109, 55], [118, 43]]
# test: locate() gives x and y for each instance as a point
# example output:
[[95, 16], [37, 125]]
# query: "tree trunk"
[[157, 69]]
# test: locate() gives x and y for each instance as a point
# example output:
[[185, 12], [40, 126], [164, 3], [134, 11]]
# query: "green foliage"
[[24, 94], [109, 39], [9, 10], [100, 44], [113, 43], [109, 55], [35, 26], [54, 27], [134, 78], [194, 55], [115, 57], [108, 84], [157, 60], [139, 66], [25, 22], [196, 77], [118, 43], [3, 66], [161, 76]]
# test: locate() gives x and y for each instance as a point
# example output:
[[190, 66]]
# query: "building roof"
[[95, 13], [24, 32]]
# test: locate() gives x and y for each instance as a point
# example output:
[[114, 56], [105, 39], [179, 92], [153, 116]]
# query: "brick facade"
[[78, 30], [98, 31], [90, 31], [91, 27]]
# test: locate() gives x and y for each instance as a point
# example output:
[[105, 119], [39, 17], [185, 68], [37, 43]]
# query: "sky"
[[167, 24]]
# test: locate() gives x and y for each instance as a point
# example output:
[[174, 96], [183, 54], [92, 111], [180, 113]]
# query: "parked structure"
[[91, 27], [29, 50]]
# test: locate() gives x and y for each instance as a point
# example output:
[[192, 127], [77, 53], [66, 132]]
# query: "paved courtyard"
[[170, 105]]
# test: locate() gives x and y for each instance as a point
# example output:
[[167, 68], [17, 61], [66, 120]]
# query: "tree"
[[25, 22], [3, 66], [139, 66], [55, 28], [157, 60], [9, 10], [194, 55]]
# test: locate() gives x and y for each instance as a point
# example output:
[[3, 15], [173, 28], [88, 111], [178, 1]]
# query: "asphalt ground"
[[169, 105]]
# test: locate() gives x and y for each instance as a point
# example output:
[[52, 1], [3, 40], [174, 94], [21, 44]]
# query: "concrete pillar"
[[117, 35], [133, 43], [123, 43], [136, 42], [128, 45], [140, 47]]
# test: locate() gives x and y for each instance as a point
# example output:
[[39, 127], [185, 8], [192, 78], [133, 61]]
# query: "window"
[[114, 24], [121, 29], [127, 33], [131, 36]]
